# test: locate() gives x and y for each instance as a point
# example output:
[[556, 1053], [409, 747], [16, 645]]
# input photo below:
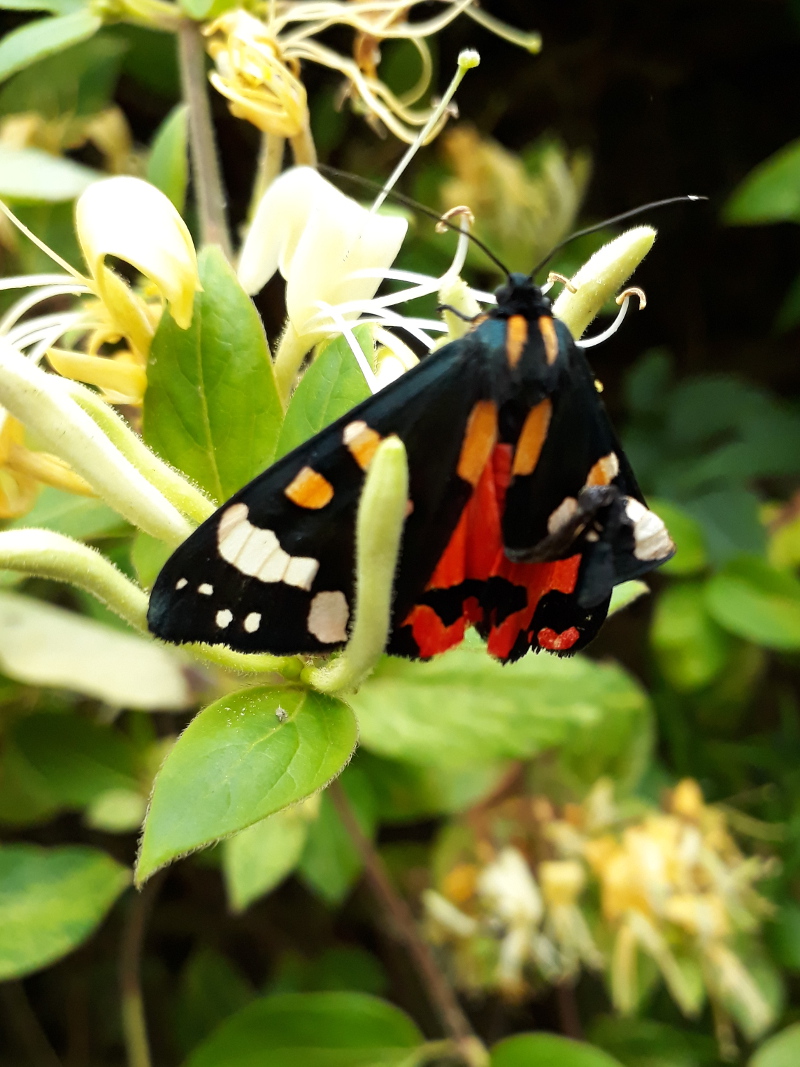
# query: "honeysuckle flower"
[[133, 221], [321, 241], [23, 471], [672, 884], [105, 130], [258, 60]]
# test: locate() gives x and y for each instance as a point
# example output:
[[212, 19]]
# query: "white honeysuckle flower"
[[318, 239], [132, 220], [510, 891]]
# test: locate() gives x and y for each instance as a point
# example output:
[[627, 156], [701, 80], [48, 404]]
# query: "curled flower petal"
[[318, 238], [129, 218]]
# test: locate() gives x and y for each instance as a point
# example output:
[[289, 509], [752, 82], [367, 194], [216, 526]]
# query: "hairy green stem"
[[189, 500], [206, 176], [379, 529], [64, 428]]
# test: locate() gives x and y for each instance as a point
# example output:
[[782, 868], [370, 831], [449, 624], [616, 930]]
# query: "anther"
[[633, 291], [454, 212], [554, 276]]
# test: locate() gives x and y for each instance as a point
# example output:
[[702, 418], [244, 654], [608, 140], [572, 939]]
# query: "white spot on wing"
[[353, 430], [223, 618], [301, 572], [327, 617], [651, 539], [205, 589], [181, 583], [562, 515], [252, 622], [258, 554]]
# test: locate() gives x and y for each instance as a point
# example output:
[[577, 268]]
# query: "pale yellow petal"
[[132, 220]]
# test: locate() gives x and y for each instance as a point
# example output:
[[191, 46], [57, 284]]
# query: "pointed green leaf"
[[244, 757], [757, 602], [50, 901], [41, 38], [330, 387], [781, 1050], [770, 192], [257, 859], [211, 407], [548, 1050], [168, 165], [312, 1030]]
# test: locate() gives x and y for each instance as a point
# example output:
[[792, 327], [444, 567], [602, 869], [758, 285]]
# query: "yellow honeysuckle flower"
[[131, 220], [258, 59]]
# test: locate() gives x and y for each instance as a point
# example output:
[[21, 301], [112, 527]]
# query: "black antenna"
[[610, 222], [409, 202]]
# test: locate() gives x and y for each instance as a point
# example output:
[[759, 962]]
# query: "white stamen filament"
[[590, 342], [345, 328]]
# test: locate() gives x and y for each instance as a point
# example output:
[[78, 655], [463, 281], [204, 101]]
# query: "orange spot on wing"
[[532, 438], [309, 489], [547, 329], [479, 441], [362, 442], [604, 471], [516, 336]]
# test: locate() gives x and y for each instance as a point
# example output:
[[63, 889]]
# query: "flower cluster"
[[258, 60], [530, 896]]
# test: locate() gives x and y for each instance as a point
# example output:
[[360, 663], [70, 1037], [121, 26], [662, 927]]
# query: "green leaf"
[[50, 901], [692, 649], [687, 533], [770, 192], [77, 758], [41, 644], [25, 796], [148, 556], [331, 386], [79, 81], [312, 1030], [757, 602], [781, 1050], [206, 9], [211, 407], [464, 707], [330, 863], [41, 38], [647, 1043], [57, 7], [210, 990], [168, 165], [238, 762], [31, 174], [548, 1050], [258, 859], [81, 517]]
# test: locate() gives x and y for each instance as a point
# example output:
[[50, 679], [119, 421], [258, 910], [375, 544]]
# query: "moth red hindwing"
[[523, 512]]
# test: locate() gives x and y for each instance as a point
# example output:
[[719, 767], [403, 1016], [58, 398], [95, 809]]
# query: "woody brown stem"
[[402, 924]]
